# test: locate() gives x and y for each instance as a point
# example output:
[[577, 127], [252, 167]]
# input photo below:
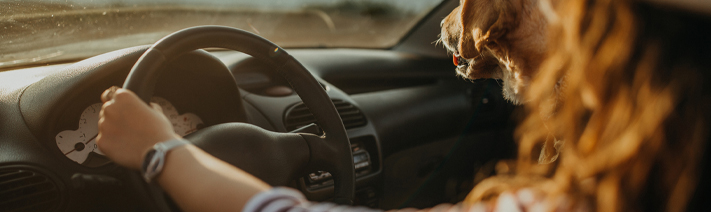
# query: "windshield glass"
[[42, 31]]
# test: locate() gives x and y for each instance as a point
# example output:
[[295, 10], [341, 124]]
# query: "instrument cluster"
[[80, 145]]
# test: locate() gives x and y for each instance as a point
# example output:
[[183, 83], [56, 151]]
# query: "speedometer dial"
[[80, 145], [182, 124], [77, 144]]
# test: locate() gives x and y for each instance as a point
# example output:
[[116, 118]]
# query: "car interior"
[[418, 134]]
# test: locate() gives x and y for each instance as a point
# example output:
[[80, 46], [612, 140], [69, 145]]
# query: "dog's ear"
[[484, 24], [467, 45]]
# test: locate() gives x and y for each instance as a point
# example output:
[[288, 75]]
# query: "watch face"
[[147, 160]]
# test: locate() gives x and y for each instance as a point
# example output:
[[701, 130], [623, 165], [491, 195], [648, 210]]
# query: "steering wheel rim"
[[334, 143]]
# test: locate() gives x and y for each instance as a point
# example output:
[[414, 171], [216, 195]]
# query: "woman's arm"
[[196, 180]]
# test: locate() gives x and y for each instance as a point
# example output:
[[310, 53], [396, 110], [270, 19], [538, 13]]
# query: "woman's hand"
[[128, 127]]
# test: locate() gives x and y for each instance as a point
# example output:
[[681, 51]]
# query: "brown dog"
[[501, 39]]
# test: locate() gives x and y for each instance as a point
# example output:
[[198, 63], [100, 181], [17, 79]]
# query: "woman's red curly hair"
[[623, 88]]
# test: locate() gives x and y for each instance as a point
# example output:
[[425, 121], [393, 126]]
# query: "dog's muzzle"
[[459, 61]]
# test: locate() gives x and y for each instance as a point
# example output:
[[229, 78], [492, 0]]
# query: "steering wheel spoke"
[[276, 158]]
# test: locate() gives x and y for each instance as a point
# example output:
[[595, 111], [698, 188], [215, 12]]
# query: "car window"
[[37, 31]]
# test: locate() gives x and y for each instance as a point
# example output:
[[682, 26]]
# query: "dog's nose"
[[458, 60]]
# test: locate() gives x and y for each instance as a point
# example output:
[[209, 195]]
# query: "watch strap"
[[155, 158]]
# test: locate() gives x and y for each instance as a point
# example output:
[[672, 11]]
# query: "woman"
[[625, 86], [630, 103]]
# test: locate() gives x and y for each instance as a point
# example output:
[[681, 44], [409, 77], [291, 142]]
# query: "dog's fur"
[[501, 39]]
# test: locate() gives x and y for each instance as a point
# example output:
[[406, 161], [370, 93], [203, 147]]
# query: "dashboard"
[[390, 103], [418, 132]]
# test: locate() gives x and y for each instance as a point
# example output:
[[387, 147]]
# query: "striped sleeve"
[[282, 199]]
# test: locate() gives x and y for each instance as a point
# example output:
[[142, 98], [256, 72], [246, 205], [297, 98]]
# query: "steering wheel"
[[276, 158]]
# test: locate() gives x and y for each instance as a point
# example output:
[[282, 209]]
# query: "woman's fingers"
[[128, 127], [157, 107], [109, 94]]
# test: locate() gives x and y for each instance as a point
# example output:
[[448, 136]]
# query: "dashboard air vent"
[[23, 189], [299, 115]]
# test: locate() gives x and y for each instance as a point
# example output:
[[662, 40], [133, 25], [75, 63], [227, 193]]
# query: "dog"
[[500, 39]]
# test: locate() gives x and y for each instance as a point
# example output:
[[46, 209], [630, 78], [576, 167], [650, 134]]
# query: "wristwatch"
[[154, 160]]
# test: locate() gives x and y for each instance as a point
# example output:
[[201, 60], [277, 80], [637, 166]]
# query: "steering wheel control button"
[[319, 176], [361, 164]]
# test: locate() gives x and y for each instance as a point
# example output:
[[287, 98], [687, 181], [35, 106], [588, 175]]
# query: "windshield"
[[42, 31]]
